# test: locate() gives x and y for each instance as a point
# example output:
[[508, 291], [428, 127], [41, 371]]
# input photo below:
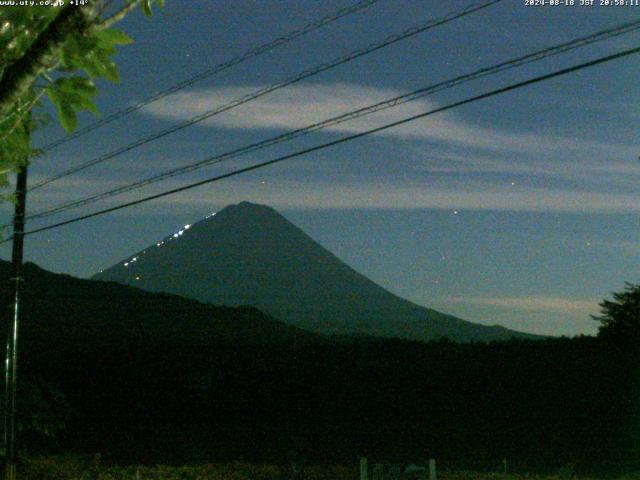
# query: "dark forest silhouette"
[[144, 377]]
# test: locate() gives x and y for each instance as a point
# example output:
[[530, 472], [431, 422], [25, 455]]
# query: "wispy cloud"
[[539, 314], [267, 187], [533, 304], [301, 105], [623, 172], [459, 195], [581, 180]]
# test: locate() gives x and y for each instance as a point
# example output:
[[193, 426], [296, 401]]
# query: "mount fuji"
[[249, 254]]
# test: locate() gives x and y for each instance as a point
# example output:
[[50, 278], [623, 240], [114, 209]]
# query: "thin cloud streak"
[[620, 172], [292, 194], [281, 193], [532, 304], [582, 165], [306, 104]]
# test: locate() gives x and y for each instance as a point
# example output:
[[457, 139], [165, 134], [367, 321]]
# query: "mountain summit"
[[249, 254]]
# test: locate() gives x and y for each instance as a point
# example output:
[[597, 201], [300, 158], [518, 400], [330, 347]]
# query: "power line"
[[254, 52], [450, 106], [265, 90], [393, 102]]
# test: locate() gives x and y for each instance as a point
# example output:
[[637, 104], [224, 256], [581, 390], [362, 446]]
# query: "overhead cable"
[[271, 88], [387, 126], [368, 110], [254, 52]]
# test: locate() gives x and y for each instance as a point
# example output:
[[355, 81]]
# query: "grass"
[[85, 468]]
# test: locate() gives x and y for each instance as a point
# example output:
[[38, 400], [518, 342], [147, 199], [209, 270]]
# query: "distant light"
[[455, 212], [137, 278], [126, 264], [175, 235], [187, 227], [158, 244], [180, 232]]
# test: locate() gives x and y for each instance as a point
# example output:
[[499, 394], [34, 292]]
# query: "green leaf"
[[112, 72], [79, 85], [78, 102], [90, 65], [84, 86], [94, 64], [66, 112], [146, 7], [14, 147], [76, 93], [107, 65], [75, 52], [111, 37], [69, 61], [84, 44]]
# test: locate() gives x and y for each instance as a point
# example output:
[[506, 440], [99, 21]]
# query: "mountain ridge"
[[63, 310], [249, 254]]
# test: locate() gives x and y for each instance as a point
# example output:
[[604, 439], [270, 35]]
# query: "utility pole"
[[11, 365]]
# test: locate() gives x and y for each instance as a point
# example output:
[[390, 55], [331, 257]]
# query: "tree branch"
[[42, 54], [116, 17]]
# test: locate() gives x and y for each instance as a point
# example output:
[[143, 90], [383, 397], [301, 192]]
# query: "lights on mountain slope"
[[133, 260], [166, 239]]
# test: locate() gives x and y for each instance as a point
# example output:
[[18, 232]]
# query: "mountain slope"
[[60, 311], [249, 254]]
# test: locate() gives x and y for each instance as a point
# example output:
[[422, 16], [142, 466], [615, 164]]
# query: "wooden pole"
[[11, 365]]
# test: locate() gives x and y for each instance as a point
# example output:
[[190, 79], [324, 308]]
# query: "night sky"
[[519, 210]]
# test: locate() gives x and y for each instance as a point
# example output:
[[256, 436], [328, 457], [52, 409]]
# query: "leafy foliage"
[[94, 55], [55, 60], [620, 317]]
